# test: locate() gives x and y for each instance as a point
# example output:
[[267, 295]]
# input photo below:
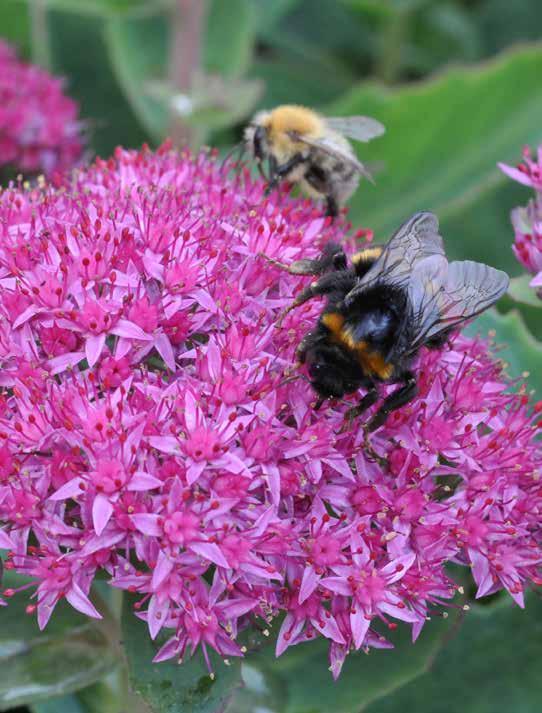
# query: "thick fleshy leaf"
[[302, 676], [491, 665], [214, 102], [169, 687], [230, 37], [520, 290], [104, 696], [459, 125], [517, 347], [91, 81], [105, 8], [72, 652], [268, 14], [66, 704]]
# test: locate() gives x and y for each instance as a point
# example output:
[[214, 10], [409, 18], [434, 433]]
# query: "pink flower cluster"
[[527, 221], [39, 129], [151, 427]]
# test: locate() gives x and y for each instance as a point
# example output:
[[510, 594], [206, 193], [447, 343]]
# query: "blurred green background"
[[458, 84]]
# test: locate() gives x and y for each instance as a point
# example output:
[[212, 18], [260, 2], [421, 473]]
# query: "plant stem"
[[185, 60], [39, 32], [392, 43]]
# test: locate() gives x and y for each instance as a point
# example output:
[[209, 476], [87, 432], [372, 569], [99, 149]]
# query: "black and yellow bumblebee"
[[311, 150], [383, 307]]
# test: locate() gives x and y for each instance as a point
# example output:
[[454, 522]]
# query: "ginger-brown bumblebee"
[[383, 307], [311, 150]]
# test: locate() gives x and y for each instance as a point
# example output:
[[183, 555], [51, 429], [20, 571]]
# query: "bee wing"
[[415, 241], [360, 128], [442, 302], [331, 148]]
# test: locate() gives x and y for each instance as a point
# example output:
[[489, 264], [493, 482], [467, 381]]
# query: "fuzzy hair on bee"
[[310, 150], [384, 306]]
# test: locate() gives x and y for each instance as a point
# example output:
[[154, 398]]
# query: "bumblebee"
[[308, 149], [382, 308]]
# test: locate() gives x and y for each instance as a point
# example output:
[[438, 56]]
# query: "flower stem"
[[39, 32], [393, 40], [185, 60]]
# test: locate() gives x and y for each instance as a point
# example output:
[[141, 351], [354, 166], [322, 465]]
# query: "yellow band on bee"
[[368, 254], [371, 362]]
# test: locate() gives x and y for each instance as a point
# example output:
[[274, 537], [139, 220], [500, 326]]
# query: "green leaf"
[[107, 8], [322, 82], [300, 681], [91, 82], [66, 704], [169, 687], [15, 24], [520, 291], [230, 37], [503, 23], [324, 27], [214, 102], [517, 347], [104, 696], [72, 652], [268, 14], [134, 68], [443, 140], [492, 666]]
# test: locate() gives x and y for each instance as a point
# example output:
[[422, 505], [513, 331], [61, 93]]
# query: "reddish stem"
[[185, 59]]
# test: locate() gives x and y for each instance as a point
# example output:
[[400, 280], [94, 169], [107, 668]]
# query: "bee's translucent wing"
[[465, 290], [360, 128], [330, 147], [416, 240]]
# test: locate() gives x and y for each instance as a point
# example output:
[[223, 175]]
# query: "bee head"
[[256, 136], [332, 371]]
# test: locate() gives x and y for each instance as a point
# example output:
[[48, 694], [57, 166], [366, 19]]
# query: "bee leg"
[[332, 206], [366, 402], [299, 267], [326, 284], [370, 451], [302, 347], [395, 400], [279, 171], [333, 258]]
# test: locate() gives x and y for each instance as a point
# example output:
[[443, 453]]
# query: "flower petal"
[[93, 348], [141, 481], [79, 600], [130, 330], [359, 624], [102, 509], [164, 348], [71, 489], [209, 551], [147, 523]]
